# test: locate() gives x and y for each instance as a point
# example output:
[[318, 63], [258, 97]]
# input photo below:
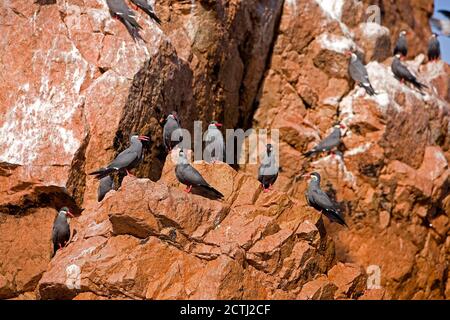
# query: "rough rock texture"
[[393, 180], [75, 86], [153, 241]]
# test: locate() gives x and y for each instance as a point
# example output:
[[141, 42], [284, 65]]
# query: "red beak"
[[342, 126], [145, 138], [70, 214], [218, 124]]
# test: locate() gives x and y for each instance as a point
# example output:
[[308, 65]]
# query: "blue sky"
[[445, 41]]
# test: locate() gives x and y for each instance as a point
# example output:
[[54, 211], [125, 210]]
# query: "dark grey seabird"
[[402, 44], [434, 49], [147, 8], [190, 177], [320, 201], [171, 125], [106, 184], [359, 74], [119, 10], [268, 170], [214, 143], [401, 72], [61, 229], [329, 143], [126, 160]]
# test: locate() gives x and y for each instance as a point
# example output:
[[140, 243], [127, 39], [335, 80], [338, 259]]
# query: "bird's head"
[[215, 124], [339, 126], [137, 137], [351, 54], [403, 33], [314, 176], [173, 115], [65, 212]]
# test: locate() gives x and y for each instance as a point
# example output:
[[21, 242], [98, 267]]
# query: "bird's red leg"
[[266, 190], [188, 189], [270, 187], [59, 244], [128, 173], [333, 155]]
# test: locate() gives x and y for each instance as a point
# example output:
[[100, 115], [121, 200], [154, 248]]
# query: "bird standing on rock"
[[320, 201], [401, 72], [170, 127], [359, 74], [106, 185], [119, 10], [126, 160], [215, 145], [147, 8], [434, 48], [61, 229], [189, 176], [401, 47], [329, 143], [268, 170]]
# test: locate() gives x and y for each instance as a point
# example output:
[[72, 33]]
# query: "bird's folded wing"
[[321, 199], [124, 159]]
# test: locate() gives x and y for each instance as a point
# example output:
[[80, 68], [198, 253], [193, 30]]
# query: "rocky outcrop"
[[76, 86], [151, 240], [393, 178]]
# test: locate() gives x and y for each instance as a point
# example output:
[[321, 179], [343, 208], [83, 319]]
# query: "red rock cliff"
[[74, 86]]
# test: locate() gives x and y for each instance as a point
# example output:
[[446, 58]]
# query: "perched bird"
[[441, 24], [147, 8], [401, 72], [320, 201], [215, 145], [434, 49], [126, 160], [329, 143], [119, 10], [402, 44], [190, 177], [359, 74], [172, 124], [61, 229], [106, 185], [268, 170]]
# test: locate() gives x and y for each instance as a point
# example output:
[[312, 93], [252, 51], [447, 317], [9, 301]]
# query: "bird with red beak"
[[328, 144], [214, 143], [172, 134], [126, 160], [61, 229], [320, 201]]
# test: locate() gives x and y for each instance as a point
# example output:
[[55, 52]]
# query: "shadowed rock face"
[[76, 86]]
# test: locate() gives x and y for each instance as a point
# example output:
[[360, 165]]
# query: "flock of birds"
[[268, 171]]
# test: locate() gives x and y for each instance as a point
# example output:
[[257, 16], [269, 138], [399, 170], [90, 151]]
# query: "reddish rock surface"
[[76, 86]]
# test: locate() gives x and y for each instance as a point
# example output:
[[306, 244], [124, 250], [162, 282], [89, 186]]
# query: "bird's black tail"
[[309, 153], [369, 89], [152, 15], [218, 194], [101, 173], [55, 248], [418, 85], [133, 29], [335, 216]]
